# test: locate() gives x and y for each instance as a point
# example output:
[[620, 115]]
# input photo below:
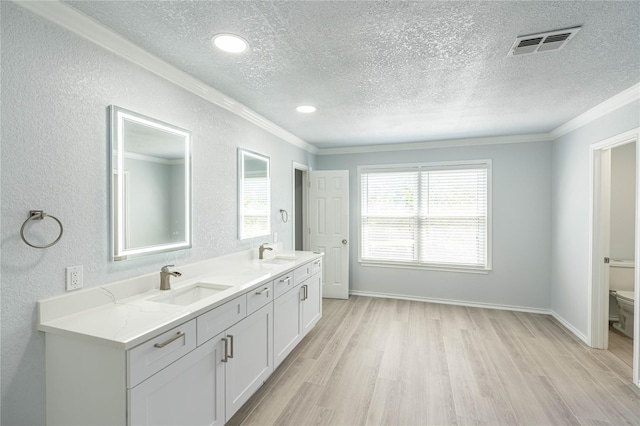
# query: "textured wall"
[[521, 229], [56, 89], [570, 244]]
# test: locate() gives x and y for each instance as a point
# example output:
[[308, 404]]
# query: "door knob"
[[344, 241]]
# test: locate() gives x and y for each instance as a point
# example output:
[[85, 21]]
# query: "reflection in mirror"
[[254, 195], [151, 185]]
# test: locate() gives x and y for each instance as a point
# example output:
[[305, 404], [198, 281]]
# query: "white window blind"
[[426, 215]]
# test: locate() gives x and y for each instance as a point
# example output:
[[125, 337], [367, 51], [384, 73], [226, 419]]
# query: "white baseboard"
[[555, 315], [570, 327], [453, 302]]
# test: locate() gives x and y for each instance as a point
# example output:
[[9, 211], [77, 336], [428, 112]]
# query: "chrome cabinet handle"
[[173, 339], [317, 262], [305, 294], [231, 344], [286, 280], [226, 347], [264, 290]]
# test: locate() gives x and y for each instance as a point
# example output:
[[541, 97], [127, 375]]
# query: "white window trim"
[[432, 267]]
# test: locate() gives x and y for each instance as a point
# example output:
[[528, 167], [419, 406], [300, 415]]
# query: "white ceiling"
[[393, 72]]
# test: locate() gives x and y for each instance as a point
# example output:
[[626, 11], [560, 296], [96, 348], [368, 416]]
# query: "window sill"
[[369, 263]]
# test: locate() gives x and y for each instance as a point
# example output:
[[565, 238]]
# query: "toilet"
[[621, 285]]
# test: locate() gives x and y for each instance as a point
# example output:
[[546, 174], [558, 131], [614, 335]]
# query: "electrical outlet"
[[74, 277]]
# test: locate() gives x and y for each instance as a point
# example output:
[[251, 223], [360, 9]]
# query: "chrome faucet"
[[165, 276], [262, 249]]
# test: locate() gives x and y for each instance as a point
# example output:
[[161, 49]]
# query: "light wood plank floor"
[[376, 361], [621, 346]]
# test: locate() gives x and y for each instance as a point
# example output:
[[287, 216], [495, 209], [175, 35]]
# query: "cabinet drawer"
[[259, 297], [155, 354], [302, 273], [316, 266], [283, 284], [219, 319]]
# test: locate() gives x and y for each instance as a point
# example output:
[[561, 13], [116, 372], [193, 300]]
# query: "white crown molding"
[[621, 99], [450, 143], [79, 23]]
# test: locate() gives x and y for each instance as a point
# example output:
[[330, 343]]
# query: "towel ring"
[[285, 215], [40, 215]]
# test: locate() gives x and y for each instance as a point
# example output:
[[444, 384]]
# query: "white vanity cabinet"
[[188, 392], [199, 372], [249, 359], [311, 302], [309, 277], [297, 308], [287, 317], [247, 354]]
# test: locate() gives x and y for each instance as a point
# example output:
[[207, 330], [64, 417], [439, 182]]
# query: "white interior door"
[[329, 230]]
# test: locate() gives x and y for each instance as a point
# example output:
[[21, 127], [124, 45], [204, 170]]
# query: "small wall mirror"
[[150, 186], [254, 195]]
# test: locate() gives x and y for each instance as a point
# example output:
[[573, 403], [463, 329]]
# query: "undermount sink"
[[280, 260], [191, 294]]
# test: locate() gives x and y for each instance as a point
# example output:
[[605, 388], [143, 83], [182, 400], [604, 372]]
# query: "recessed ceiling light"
[[306, 109], [230, 43]]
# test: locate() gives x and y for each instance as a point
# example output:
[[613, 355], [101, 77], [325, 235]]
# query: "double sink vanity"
[[128, 353]]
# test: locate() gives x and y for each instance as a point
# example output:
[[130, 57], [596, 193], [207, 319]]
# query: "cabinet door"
[[287, 323], [311, 302], [188, 392], [250, 357]]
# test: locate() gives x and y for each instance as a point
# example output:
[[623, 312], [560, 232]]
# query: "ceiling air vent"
[[542, 42]]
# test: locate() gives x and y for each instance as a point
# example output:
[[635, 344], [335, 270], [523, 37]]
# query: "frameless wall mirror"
[[254, 195], [150, 185]]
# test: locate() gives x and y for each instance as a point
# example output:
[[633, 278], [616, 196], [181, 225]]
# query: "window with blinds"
[[429, 215]]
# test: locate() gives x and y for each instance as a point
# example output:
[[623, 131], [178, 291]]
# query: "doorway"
[[300, 204], [604, 215]]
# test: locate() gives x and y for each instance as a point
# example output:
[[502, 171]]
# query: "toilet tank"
[[621, 275]]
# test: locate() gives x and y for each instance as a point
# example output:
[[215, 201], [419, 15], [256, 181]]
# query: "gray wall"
[[521, 229], [56, 88], [571, 209], [623, 201]]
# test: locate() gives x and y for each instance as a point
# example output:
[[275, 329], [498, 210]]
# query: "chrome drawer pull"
[[286, 280], [264, 290], [231, 341], [173, 339]]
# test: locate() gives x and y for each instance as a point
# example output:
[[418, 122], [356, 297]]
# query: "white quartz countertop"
[[122, 315]]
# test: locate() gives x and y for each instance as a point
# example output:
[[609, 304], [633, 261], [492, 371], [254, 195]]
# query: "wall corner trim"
[[566, 324], [84, 26], [623, 98]]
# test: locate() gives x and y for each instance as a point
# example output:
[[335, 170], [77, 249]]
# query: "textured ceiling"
[[386, 72]]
